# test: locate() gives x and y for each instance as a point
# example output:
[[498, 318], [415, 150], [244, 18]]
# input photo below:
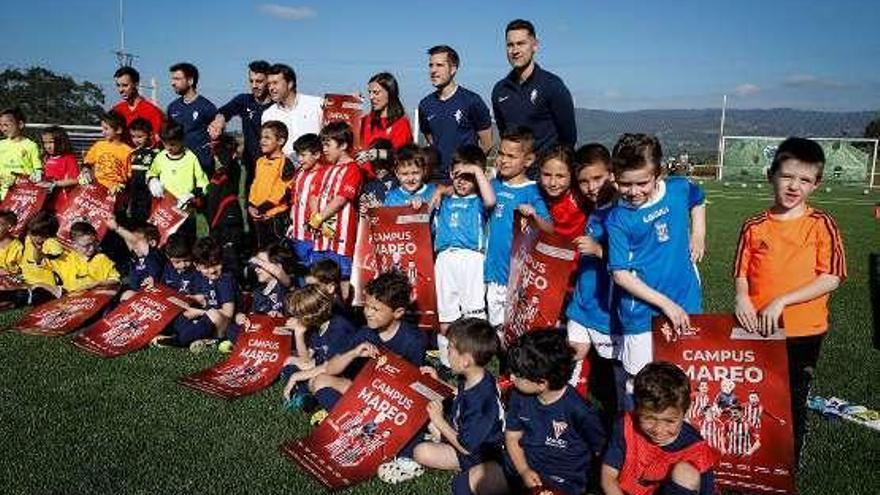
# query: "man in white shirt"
[[300, 113]]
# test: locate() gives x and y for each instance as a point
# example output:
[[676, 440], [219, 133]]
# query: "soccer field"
[[73, 423]]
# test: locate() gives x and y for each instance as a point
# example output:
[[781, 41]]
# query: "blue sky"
[[612, 55]]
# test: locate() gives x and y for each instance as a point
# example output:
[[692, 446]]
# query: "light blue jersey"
[[460, 222], [653, 242], [508, 198], [591, 299], [401, 197]]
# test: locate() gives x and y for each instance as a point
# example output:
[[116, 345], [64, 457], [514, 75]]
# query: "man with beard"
[[193, 112], [249, 107], [300, 113], [531, 96], [133, 105], [452, 116]]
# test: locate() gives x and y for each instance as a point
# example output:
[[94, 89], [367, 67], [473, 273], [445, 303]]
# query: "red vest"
[[646, 465]]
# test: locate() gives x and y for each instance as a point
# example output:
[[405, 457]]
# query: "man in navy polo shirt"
[[530, 96], [193, 112], [249, 107], [452, 116]]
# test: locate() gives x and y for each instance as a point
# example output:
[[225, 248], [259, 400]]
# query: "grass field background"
[[74, 423]]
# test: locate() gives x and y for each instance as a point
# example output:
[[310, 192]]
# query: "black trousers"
[[803, 354]]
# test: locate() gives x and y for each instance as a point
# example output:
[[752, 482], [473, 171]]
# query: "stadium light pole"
[[721, 138]]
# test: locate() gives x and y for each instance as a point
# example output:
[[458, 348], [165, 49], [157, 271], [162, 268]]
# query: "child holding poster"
[[19, 156], [472, 430], [83, 267], [336, 217], [789, 259], [460, 239], [215, 292], [654, 450], [146, 261], [269, 295], [552, 435], [588, 310], [387, 298], [411, 171], [40, 247], [556, 174], [60, 169], [176, 170], [513, 191], [656, 234]]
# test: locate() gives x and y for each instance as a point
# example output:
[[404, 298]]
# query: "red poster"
[[740, 400], [381, 411], [11, 282], [255, 363], [133, 323], [540, 270], [91, 203], [167, 217], [64, 315], [400, 239], [363, 266], [25, 199], [346, 108]]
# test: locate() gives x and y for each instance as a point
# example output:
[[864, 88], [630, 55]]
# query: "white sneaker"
[[399, 470]]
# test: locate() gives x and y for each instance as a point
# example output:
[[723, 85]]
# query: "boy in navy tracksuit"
[[214, 292], [472, 429], [387, 299], [552, 435], [179, 272], [319, 335]]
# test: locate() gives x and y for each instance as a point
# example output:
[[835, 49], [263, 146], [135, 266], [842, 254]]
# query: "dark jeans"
[[803, 354]]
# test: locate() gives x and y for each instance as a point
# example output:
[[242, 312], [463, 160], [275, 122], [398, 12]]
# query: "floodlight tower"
[[122, 57]]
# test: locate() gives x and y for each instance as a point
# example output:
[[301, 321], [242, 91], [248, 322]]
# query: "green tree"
[[873, 129], [51, 98]]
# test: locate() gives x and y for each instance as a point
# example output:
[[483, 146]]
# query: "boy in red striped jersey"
[[789, 259], [305, 189], [334, 220]]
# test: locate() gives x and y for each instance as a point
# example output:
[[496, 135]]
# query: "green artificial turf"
[[74, 423]]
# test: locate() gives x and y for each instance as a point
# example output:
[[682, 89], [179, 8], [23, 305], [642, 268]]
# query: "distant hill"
[[697, 130]]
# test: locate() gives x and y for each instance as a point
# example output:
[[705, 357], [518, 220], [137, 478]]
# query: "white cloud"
[[811, 81], [287, 12], [747, 89]]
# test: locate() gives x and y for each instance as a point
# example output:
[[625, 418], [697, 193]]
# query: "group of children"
[[639, 236]]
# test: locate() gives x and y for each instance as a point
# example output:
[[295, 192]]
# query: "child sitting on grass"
[[83, 267], [653, 449], [319, 335], [270, 292]]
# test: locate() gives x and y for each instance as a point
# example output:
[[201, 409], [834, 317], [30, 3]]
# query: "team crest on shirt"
[[559, 428], [662, 231], [250, 113], [458, 116], [533, 95], [195, 115]]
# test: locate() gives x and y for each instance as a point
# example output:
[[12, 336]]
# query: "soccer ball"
[[727, 184], [866, 192], [827, 189], [759, 185], [745, 185]]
